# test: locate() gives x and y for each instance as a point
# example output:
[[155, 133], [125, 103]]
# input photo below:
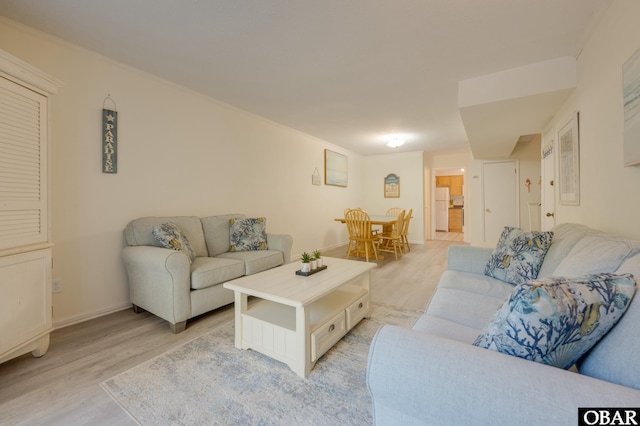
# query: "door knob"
[[487, 210], [550, 214]]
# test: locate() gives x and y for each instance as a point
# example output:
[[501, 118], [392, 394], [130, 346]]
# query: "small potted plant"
[[305, 262], [318, 257]]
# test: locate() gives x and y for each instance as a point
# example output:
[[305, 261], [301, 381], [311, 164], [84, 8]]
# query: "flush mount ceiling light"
[[395, 141]]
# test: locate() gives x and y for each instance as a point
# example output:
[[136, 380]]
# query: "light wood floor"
[[62, 387]]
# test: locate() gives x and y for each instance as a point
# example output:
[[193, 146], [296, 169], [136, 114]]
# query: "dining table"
[[378, 219]]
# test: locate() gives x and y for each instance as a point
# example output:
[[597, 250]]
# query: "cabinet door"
[[23, 150], [443, 180], [456, 185]]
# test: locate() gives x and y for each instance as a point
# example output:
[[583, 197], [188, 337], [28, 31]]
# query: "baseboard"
[[82, 318]]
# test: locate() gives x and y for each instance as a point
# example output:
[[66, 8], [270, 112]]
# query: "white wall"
[[609, 192], [180, 153], [409, 167]]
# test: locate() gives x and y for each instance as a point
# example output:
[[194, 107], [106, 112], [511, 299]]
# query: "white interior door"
[[548, 219], [499, 197]]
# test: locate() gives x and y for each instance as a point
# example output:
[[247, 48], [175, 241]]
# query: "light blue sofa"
[[163, 282], [433, 375]]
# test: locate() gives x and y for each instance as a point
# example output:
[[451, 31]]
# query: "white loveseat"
[[163, 281]]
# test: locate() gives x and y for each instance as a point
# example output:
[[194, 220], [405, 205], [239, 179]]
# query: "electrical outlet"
[[57, 285]]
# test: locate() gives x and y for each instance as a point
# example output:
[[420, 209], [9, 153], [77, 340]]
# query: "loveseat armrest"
[[159, 281], [419, 378], [471, 259], [281, 242]]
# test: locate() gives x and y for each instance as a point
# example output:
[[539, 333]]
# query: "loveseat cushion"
[[209, 271], [556, 320], [170, 236], [248, 234], [256, 261], [138, 232], [216, 232], [518, 255]]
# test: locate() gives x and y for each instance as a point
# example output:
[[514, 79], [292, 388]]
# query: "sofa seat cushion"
[[209, 271], [468, 299], [446, 328], [256, 261]]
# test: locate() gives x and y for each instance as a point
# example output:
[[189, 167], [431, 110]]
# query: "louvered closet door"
[[23, 166]]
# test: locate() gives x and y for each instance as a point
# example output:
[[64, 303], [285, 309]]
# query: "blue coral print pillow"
[[556, 320], [170, 236], [248, 234], [518, 255]]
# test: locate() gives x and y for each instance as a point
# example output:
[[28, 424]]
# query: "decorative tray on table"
[[306, 274]]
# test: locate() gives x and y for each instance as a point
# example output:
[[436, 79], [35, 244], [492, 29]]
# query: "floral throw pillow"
[[170, 236], [518, 255], [248, 234], [556, 320]]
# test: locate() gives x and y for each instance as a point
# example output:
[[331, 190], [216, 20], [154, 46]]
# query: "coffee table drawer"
[[357, 310], [327, 335]]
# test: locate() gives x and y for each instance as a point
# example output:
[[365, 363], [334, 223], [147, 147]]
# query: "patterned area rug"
[[207, 381]]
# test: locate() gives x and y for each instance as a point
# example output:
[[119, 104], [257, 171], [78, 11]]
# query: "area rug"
[[208, 381]]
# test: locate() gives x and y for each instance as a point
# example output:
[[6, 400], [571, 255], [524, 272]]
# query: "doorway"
[[548, 219], [499, 197], [447, 204]]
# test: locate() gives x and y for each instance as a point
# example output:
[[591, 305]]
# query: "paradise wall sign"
[[109, 139]]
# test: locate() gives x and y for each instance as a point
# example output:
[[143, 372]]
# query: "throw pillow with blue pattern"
[[556, 320], [170, 236], [248, 234], [518, 255]]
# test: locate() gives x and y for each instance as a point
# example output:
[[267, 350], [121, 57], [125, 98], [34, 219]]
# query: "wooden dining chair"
[[361, 239], [393, 211], [392, 241], [405, 231]]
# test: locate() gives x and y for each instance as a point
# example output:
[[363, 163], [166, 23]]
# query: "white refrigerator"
[[442, 209]]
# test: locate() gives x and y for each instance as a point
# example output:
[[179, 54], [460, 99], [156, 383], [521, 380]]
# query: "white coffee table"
[[297, 318]]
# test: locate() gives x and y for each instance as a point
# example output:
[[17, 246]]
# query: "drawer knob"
[[332, 327], [360, 305]]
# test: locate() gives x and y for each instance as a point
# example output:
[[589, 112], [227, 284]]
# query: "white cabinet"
[[25, 243]]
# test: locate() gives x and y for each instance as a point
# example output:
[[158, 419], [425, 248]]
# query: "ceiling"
[[349, 72]]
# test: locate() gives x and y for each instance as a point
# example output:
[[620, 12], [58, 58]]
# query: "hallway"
[[449, 236]]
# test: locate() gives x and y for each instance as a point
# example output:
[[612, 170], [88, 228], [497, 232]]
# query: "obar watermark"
[[608, 416]]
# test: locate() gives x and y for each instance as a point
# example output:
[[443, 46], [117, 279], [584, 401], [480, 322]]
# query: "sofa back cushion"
[[216, 232], [565, 236], [138, 232], [614, 357], [595, 254]]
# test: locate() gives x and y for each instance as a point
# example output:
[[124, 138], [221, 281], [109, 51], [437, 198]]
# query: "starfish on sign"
[[110, 117]]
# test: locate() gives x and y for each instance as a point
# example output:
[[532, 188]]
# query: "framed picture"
[[335, 168], [392, 186], [569, 162], [631, 104]]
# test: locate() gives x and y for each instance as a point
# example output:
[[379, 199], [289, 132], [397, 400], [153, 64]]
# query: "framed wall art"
[[392, 186], [335, 168], [569, 161], [631, 104]]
